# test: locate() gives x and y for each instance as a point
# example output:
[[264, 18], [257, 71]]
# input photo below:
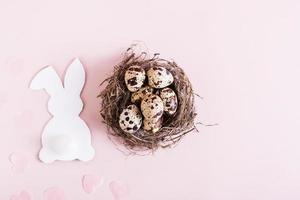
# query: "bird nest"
[[116, 97]]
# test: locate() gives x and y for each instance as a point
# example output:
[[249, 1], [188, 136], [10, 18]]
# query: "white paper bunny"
[[66, 136]]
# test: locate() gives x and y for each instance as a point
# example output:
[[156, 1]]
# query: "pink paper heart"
[[21, 196], [19, 162], [54, 193], [119, 190], [91, 182]]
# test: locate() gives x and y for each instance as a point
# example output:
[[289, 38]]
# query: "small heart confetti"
[[91, 182], [54, 193], [19, 162], [119, 190], [21, 196]]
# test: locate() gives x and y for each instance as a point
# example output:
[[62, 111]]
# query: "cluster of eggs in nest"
[[151, 97]]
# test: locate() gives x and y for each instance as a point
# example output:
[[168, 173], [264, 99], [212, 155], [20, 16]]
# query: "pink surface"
[[18, 162], [54, 193], [23, 195], [241, 56]]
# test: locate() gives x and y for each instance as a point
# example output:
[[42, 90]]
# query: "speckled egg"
[[169, 99], [130, 119], [152, 126], [159, 77], [134, 78], [152, 107], [141, 93]]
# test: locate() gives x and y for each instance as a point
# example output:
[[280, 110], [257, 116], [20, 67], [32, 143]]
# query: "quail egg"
[[130, 119], [141, 93], [169, 99], [134, 78], [152, 126], [159, 77], [152, 107]]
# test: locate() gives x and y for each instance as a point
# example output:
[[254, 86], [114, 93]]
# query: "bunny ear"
[[47, 79], [75, 77]]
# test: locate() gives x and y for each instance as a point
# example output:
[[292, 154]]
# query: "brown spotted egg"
[[152, 107], [152, 126], [134, 78], [159, 77], [169, 99], [141, 93], [130, 119]]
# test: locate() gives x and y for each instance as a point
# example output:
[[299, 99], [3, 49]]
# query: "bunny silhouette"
[[66, 136]]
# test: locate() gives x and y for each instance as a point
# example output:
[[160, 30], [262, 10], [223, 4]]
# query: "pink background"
[[241, 56]]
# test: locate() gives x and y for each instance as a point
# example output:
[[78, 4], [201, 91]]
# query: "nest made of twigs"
[[115, 97]]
